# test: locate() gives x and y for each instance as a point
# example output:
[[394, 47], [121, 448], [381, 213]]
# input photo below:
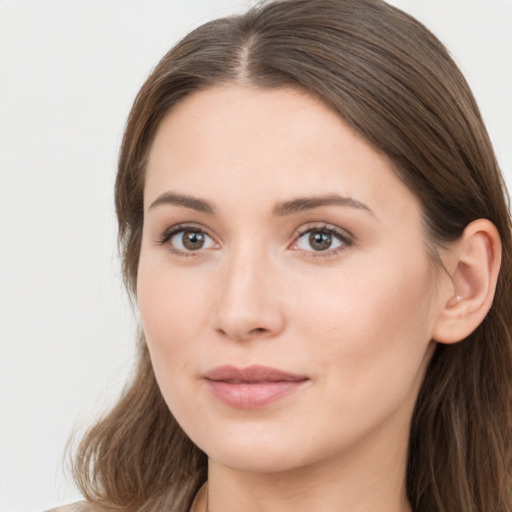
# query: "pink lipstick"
[[252, 387]]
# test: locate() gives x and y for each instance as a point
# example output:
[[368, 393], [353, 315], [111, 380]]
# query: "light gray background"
[[69, 70]]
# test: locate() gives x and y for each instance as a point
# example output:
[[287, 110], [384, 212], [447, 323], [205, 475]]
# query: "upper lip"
[[254, 373]]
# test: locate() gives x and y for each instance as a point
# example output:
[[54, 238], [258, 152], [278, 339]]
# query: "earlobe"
[[474, 267]]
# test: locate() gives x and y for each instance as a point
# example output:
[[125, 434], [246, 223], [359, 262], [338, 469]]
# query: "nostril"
[[245, 335]]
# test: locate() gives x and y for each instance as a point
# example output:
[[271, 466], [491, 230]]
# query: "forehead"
[[234, 142]]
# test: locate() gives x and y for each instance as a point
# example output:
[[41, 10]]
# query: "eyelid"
[[173, 230], [344, 236]]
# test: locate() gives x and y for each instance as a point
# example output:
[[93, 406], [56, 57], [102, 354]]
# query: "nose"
[[249, 301]]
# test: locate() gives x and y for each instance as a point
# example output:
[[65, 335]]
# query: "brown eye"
[[320, 240], [190, 240], [193, 240], [328, 240]]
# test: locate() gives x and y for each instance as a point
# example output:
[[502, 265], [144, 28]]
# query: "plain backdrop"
[[69, 70]]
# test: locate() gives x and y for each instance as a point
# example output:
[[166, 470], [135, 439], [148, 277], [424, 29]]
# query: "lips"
[[252, 387]]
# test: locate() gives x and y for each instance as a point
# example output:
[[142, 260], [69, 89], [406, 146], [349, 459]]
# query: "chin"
[[256, 459], [261, 452]]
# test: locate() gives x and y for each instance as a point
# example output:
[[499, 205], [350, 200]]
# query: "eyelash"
[[346, 240], [181, 228]]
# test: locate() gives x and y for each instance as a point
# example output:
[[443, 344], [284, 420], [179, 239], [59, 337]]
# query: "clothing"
[[79, 506], [199, 504]]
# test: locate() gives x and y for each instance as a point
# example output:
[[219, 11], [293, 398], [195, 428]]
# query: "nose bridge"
[[248, 302]]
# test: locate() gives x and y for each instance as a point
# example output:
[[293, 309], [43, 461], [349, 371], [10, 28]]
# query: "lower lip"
[[252, 395]]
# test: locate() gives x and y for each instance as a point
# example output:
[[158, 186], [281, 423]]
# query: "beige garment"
[[200, 504], [79, 506]]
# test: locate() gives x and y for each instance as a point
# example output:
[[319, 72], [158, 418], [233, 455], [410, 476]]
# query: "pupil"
[[320, 241], [193, 240]]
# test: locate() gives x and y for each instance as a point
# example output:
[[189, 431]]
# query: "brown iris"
[[193, 240], [320, 240]]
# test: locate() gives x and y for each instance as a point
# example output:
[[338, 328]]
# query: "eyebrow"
[[308, 203], [194, 203], [280, 209]]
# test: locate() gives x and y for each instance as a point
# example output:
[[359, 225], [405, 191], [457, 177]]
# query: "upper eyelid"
[[345, 237], [176, 228], [319, 226], [297, 232]]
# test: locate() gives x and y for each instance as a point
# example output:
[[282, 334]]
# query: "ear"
[[473, 265]]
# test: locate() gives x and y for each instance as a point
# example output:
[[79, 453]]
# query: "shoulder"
[[79, 506]]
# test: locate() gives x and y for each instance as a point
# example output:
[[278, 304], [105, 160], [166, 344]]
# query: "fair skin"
[[276, 236]]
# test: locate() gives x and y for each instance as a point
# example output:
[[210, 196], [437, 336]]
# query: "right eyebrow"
[[309, 203], [194, 203]]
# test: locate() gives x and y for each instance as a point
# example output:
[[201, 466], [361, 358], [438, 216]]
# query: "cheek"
[[171, 301], [372, 328], [173, 309]]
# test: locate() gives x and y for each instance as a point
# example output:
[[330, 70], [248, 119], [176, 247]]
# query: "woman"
[[315, 229]]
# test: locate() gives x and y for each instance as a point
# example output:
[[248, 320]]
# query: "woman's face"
[[285, 288]]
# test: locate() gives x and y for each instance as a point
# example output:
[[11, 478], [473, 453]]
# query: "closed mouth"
[[252, 387]]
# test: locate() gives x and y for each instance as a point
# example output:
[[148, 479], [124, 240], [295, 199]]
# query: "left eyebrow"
[[308, 203], [194, 203]]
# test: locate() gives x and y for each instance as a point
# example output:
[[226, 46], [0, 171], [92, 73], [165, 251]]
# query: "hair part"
[[393, 82]]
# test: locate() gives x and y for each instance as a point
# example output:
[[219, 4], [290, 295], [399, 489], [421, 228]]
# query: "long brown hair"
[[389, 78]]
